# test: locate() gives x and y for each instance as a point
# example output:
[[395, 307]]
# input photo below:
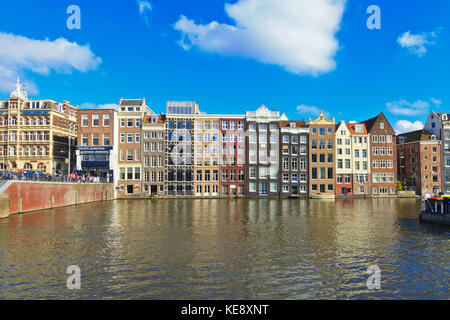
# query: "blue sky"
[[284, 54]]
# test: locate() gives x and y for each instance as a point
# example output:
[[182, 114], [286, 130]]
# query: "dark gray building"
[[262, 150], [294, 137], [179, 153]]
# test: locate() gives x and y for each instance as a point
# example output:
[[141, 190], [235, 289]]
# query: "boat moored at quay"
[[436, 210]]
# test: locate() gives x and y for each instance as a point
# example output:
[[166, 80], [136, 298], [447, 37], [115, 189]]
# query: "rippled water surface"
[[226, 249]]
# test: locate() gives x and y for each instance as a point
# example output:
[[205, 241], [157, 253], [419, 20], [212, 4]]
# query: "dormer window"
[[444, 117], [358, 129], [292, 125], [433, 137]]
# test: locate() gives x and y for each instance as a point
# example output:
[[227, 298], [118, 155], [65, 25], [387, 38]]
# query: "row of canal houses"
[[185, 152], [261, 153]]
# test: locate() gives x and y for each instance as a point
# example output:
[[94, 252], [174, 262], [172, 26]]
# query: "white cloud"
[[405, 108], [403, 126], [298, 35], [436, 102], [89, 105], [144, 8], [416, 43], [20, 54], [310, 111]]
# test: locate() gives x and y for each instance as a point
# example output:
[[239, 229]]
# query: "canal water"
[[226, 249]]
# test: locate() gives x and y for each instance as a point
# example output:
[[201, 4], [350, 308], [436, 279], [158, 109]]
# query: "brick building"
[[383, 181], [322, 160], [97, 147], [131, 113], [232, 168], [206, 156], [419, 162]]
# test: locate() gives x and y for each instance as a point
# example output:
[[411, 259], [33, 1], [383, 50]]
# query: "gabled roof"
[[370, 122], [161, 119], [132, 102], [287, 124], [351, 127], [339, 124], [414, 136]]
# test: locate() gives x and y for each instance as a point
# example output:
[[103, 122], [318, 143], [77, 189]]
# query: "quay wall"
[[29, 196]]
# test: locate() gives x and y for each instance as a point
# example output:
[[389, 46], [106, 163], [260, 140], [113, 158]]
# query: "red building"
[[232, 168]]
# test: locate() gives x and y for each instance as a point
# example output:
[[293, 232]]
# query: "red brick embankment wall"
[[29, 196]]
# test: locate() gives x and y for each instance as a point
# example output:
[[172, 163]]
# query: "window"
[[330, 173], [129, 154], [285, 163], [84, 139], [302, 163], [347, 164], [95, 139], [339, 178], [263, 188], [381, 125], [322, 158], [130, 138], [84, 120], [95, 120], [347, 179], [322, 173], [376, 177], [129, 122], [137, 173], [273, 187]]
